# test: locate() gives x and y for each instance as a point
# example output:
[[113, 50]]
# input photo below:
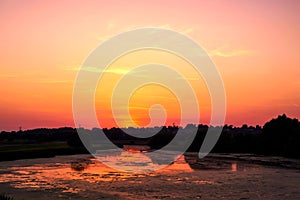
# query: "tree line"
[[279, 136]]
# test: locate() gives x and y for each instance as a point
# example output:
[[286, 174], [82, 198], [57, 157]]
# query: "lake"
[[217, 176]]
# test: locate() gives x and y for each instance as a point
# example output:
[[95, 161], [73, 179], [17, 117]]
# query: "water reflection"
[[133, 161], [57, 173], [234, 167], [136, 162]]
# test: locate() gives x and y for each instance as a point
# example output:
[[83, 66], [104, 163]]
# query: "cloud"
[[225, 52], [53, 81], [8, 76], [71, 67], [111, 25], [187, 30], [189, 78], [104, 37], [138, 108], [156, 96], [119, 71], [183, 31]]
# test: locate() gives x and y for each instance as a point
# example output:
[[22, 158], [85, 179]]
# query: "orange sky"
[[255, 45]]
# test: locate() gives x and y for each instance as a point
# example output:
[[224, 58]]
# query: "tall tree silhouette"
[[281, 136]]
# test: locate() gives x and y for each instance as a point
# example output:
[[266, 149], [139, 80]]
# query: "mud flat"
[[227, 176]]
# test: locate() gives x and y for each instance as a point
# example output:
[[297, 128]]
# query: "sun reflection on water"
[[62, 171]]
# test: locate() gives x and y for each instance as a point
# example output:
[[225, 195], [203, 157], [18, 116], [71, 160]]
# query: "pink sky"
[[255, 45]]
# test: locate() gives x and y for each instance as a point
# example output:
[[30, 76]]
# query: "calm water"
[[83, 176]]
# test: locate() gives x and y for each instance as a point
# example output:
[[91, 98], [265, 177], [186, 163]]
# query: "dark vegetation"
[[39, 143], [279, 137], [5, 197]]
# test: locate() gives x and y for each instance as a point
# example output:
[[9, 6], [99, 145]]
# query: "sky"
[[254, 44]]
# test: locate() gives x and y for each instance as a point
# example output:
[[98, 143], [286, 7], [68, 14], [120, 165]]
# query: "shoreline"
[[264, 160]]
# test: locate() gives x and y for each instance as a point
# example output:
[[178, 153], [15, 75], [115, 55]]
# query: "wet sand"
[[216, 177]]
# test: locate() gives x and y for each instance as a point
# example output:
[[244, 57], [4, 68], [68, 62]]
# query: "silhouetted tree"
[[281, 136]]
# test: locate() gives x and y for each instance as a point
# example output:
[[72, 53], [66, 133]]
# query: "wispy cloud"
[[156, 96], [104, 37], [119, 71], [186, 30], [53, 81], [189, 78], [138, 108], [226, 52], [111, 25], [8, 76], [71, 67]]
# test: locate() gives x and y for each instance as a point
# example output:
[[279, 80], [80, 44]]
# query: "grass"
[[5, 197], [30, 147], [14, 151]]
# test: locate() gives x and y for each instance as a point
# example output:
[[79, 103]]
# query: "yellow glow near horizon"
[[148, 95]]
